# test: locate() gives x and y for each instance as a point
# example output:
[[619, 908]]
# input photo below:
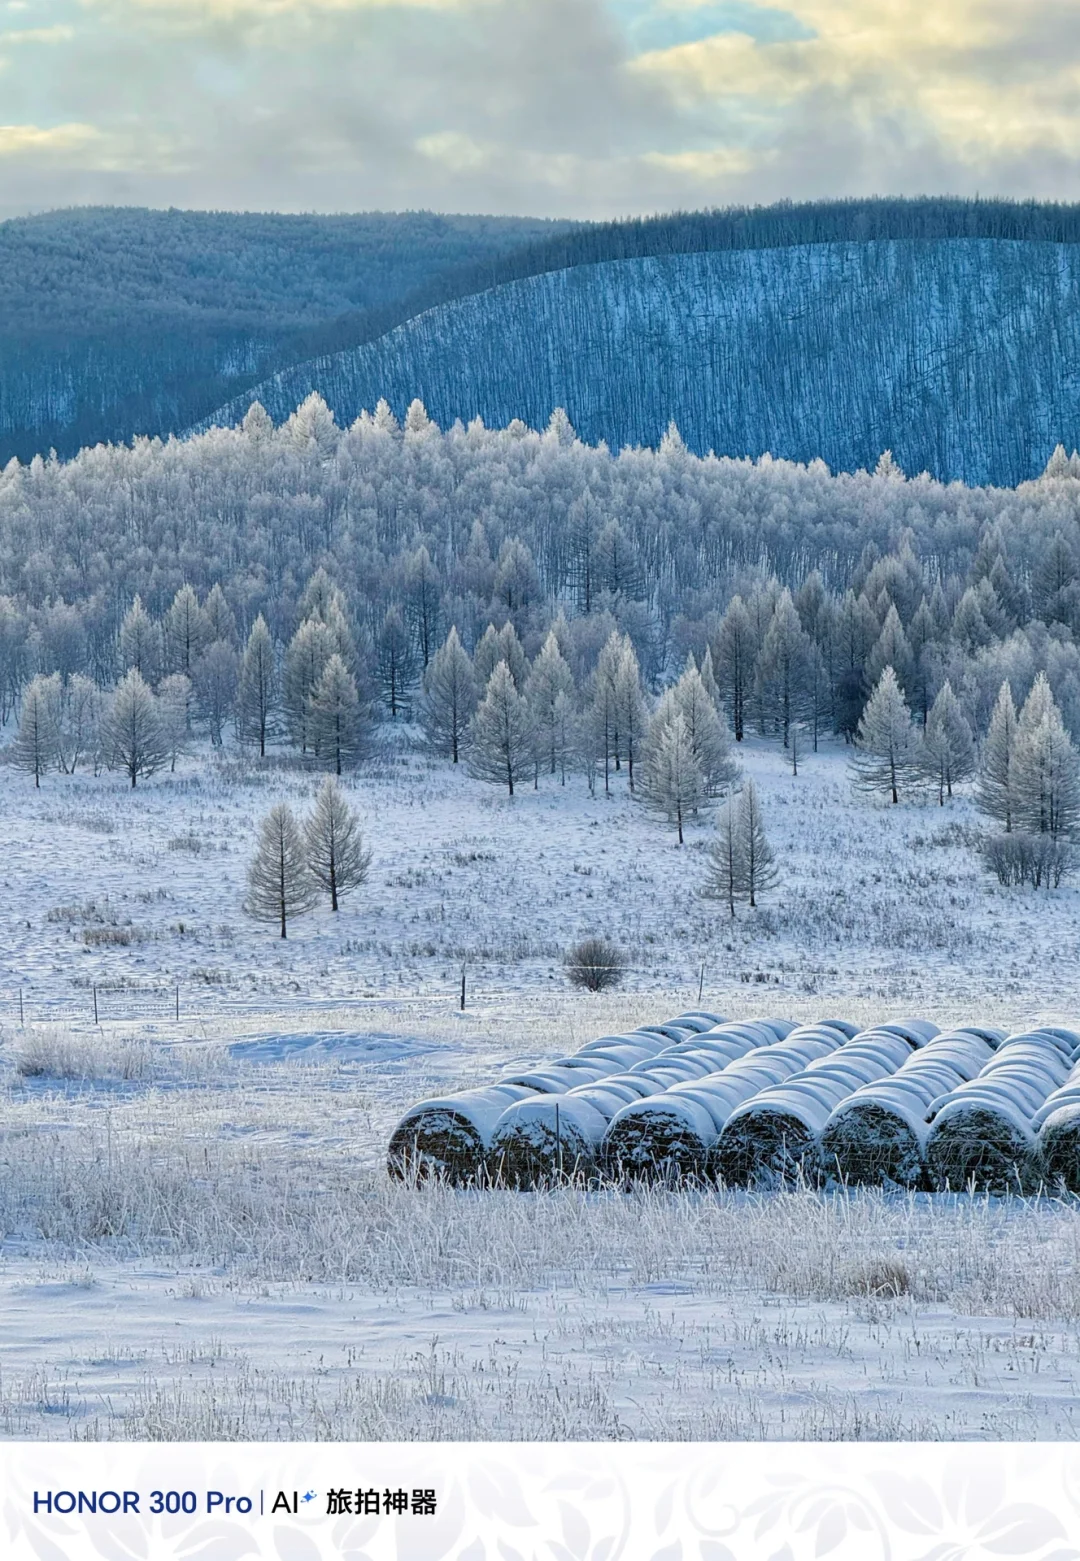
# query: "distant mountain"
[[117, 321], [955, 342]]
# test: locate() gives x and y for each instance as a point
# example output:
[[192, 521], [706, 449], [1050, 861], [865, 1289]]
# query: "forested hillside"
[[118, 321], [959, 354], [411, 532]]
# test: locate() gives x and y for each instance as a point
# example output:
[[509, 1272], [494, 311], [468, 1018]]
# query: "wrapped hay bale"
[[450, 1136], [987, 1143], [1059, 1147], [542, 1140]]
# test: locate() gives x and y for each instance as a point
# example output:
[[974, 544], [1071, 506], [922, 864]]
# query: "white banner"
[[524, 1502]]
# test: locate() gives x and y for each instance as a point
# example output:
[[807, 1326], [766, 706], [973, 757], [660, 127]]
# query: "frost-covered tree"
[[214, 679], [257, 690], [723, 878], [1047, 768], [500, 733], [996, 792], [497, 645], [37, 743], [891, 650], [80, 721], [219, 617], [886, 743], [140, 642], [174, 701], [673, 781], [423, 593], [630, 712], [705, 727], [309, 650], [133, 738], [335, 722], [602, 707], [337, 855], [280, 882], [450, 698], [550, 680], [396, 663], [782, 666], [186, 632], [947, 751], [755, 862], [733, 660]]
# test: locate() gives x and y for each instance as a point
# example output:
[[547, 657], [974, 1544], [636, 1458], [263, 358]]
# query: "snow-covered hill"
[[962, 356]]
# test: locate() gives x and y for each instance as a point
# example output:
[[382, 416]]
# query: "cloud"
[[560, 107]]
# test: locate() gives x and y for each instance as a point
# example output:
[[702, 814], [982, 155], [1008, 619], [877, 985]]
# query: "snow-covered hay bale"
[[985, 1143], [1059, 1147], [666, 1138], [450, 1136], [875, 1140], [771, 1141], [542, 1140]]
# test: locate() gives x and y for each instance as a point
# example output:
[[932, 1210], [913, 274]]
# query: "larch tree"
[[450, 698], [673, 779], [80, 721], [335, 720], [1047, 774], [257, 690], [602, 706], [186, 632], [140, 642], [947, 751], [705, 725], [756, 870], [886, 743], [337, 855], [215, 678], [396, 663], [219, 617], [782, 665], [133, 737], [550, 680], [500, 733], [309, 650], [723, 881], [37, 743], [174, 698], [733, 657], [280, 882], [630, 711], [996, 790]]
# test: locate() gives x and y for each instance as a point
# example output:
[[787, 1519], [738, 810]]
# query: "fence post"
[[701, 983], [463, 989], [178, 1002], [95, 1005], [22, 1021]]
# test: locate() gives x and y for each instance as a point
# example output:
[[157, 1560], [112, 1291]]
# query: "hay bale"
[[984, 1142], [872, 1141], [770, 1141], [1059, 1147], [449, 1136], [667, 1138], [542, 1140]]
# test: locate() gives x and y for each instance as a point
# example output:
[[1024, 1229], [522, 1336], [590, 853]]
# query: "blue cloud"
[[658, 24]]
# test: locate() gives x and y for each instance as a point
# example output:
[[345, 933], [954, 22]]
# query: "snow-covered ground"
[[199, 1240]]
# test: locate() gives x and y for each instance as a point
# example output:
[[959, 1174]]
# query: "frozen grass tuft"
[[54, 1053]]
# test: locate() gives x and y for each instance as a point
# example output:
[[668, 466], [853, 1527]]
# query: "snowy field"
[[198, 1236]]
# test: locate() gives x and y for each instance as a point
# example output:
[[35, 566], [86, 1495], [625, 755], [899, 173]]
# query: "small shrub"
[[1018, 859], [879, 1277], [191, 843], [113, 937], [53, 1053], [595, 965]]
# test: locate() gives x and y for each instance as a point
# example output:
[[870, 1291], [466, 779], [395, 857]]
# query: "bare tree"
[[133, 738], [755, 863], [723, 879], [337, 856], [80, 721], [215, 677], [886, 744], [174, 714], [948, 751], [280, 883], [673, 783]]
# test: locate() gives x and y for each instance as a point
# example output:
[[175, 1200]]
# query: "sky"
[[576, 108]]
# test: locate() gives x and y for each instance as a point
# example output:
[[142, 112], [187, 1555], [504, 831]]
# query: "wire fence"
[[96, 1004]]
